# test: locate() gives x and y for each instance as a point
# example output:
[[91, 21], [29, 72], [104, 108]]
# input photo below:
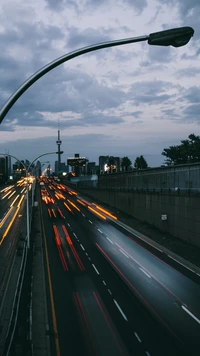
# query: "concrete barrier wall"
[[183, 212]]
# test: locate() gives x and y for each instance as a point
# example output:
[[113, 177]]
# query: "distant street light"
[[27, 200], [174, 37]]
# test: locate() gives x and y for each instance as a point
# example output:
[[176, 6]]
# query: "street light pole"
[[174, 37]]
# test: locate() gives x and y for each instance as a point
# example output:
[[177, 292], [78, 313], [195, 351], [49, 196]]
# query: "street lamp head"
[[175, 37]]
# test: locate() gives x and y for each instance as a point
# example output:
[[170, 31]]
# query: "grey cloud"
[[137, 114], [137, 4], [192, 113], [185, 6], [190, 56], [150, 92], [189, 13], [170, 114], [89, 5], [58, 5], [192, 94], [79, 37], [188, 72], [160, 54]]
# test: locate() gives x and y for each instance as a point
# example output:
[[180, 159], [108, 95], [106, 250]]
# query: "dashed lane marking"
[[137, 337], [120, 310], [95, 268], [109, 240], [144, 272]]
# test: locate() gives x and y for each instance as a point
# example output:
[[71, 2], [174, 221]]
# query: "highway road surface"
[[109, 292], [12, 215]]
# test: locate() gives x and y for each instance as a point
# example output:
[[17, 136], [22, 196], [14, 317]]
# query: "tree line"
[[188, 151], [126, 164]]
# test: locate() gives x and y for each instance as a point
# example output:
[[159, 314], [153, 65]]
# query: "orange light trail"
[[49, 211], [60, 212], [11, 194], [7, 188], [60, 251], [97, 213], [54, 214], [73, 205], [67, 206], [80, 202], [19, 204], [6, 216], [77, 258], [9, 225], [105, 211], [5, 195], [13, 202]]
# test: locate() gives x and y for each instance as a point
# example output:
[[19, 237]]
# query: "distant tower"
[[59, 142]]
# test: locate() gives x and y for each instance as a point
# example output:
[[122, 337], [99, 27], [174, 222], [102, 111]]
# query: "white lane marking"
[[95, 268], [104, 283], [192, 315], [181, 263], [86, 254], [124, 253], [68, 224], [198, 274], [74, 235], [82, 247], [83, 215], [89, 258], [109, 240], [121, 311], [100, 231], [90, 221], [8, 249], [144, 272], [109, 291], [137, 337], [147, 353]]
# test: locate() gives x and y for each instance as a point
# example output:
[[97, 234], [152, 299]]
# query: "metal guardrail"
[[16, 302]]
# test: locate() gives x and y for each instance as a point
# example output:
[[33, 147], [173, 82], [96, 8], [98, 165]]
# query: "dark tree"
[[140, 163], [187, 152], [126, 163]]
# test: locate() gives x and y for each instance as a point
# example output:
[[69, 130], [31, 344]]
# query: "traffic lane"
[[162, 255], [8, 249], [162, 305], [185, 290], [100, 332], [6, 200], [68, 326], [121, 250], [152, 336], [133, 338], [158, 300], [187, 271]]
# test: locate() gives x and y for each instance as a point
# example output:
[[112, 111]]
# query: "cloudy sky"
[[124, 101]]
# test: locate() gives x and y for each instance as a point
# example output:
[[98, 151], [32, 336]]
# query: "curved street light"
[[175, 37], [27, 200]]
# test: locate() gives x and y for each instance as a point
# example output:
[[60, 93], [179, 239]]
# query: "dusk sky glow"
[[126, 101]]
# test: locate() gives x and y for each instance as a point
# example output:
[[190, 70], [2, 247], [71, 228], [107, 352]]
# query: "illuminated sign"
[[80, 161]]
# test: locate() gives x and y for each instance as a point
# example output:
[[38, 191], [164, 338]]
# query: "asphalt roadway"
[[109, 293]]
